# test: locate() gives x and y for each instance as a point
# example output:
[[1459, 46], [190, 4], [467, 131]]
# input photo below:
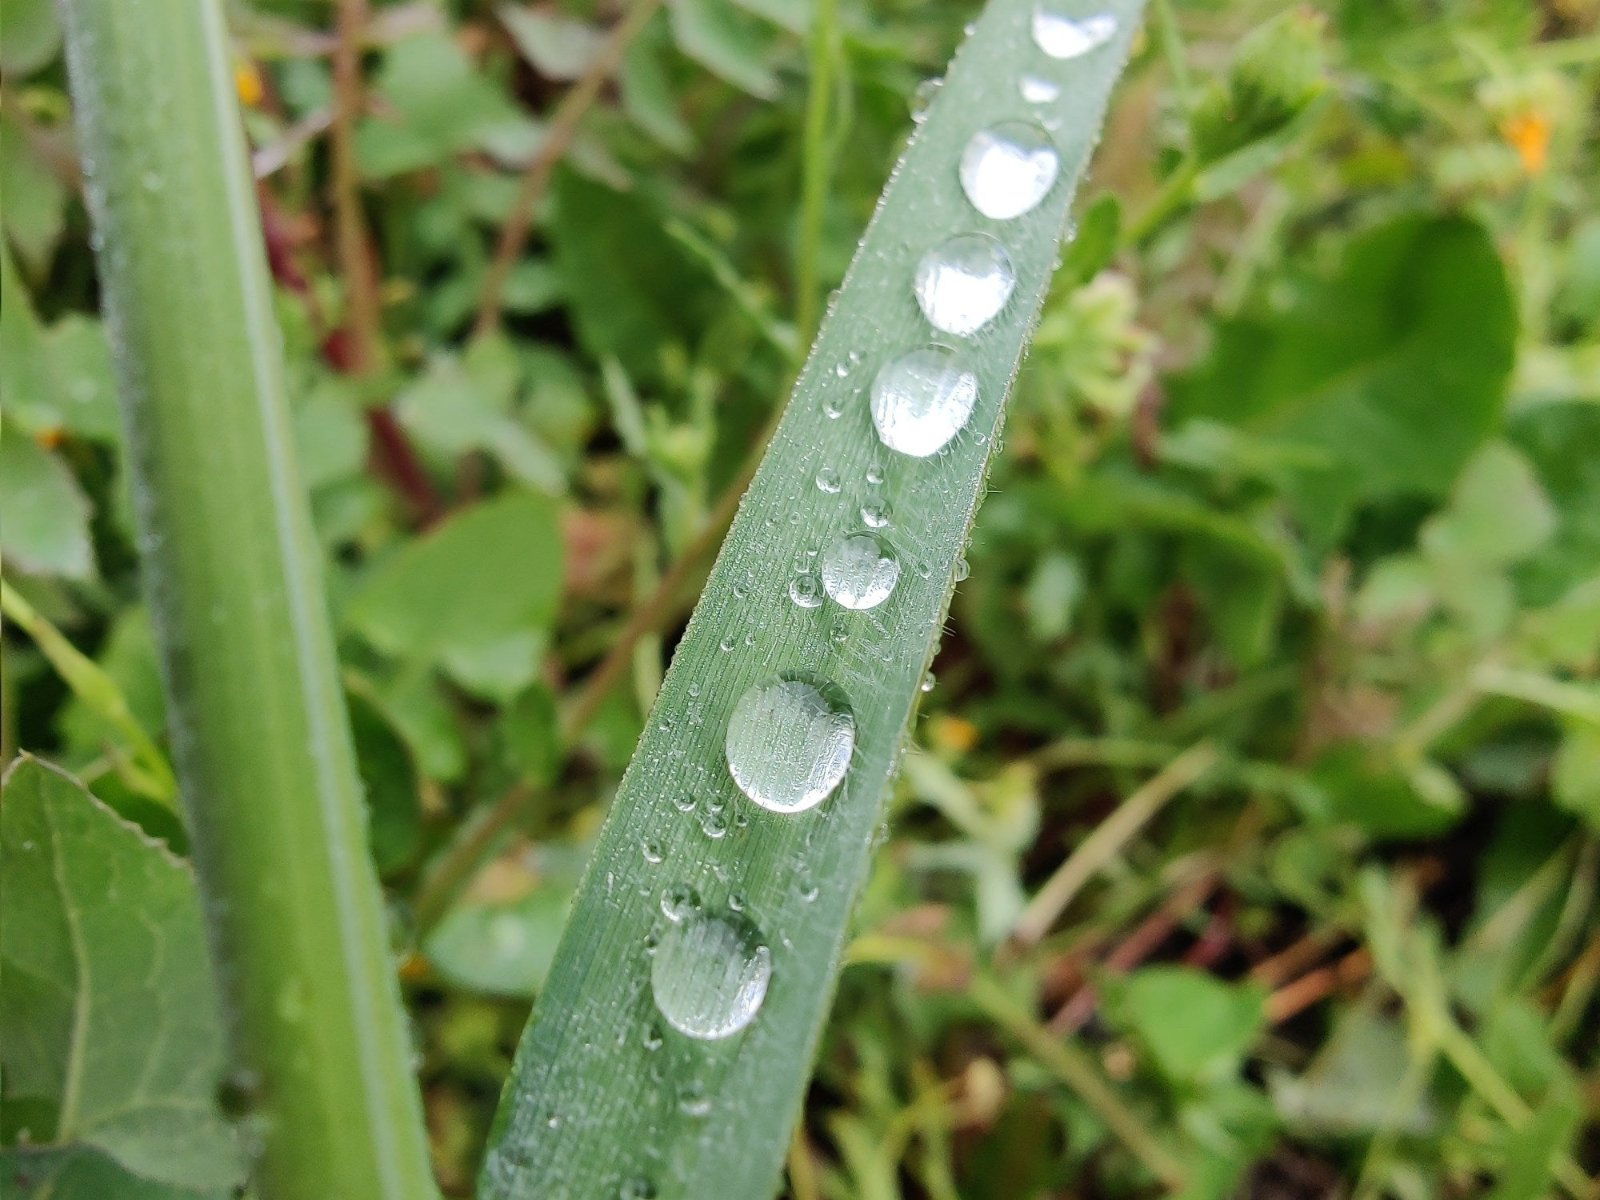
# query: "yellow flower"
[[1528, 133], [247, 82]]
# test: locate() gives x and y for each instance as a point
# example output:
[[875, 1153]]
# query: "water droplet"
[[1036, 89], [860, 571], [964, 282], [809, 890], [651, 851], [714, 825], [927, 683], [1008, 168], [805, 590], [962, 569], [693, 1101], [726, 644], [922, 399], [710, 975], [922, 98], [736, 901], [652, 1037], [1062, 35], [789, 742], [833, 407], [875, 474], [828, 481], [679, 901], [876, 516], [637, 1188]]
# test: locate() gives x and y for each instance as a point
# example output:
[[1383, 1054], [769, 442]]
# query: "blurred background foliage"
[[1289, 585]]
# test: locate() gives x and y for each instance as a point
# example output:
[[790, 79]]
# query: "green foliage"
[[101, 937], [1299, 471]]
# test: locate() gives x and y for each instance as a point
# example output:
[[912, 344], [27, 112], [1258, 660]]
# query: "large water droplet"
[[710, 975], [963, 282], [805, 590], [789, 742], [922, 399], [1062, 35], [860, 571], [1008, 168]]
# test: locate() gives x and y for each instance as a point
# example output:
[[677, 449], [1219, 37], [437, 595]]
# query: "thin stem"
[[814, 166], [363, 314], [1074, 1068], [1101, 846], [558, 139]]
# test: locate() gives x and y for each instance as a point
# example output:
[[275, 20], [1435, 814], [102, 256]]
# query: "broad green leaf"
[[631, 289], [109, 1025], [474, 596], [46, 525], [681, 1087], [1196, 1027], [561, 47], [53, 380], [1394, 364]]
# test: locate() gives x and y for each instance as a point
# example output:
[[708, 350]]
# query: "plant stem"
[[1074, 1068], [558, 138], [362, 312], [232, 569]]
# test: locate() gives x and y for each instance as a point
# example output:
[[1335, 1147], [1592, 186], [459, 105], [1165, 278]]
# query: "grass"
[[597, 1096], [1245, 843]]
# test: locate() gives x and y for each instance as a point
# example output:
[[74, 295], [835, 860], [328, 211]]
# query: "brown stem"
[[557, 140], [362, 315]]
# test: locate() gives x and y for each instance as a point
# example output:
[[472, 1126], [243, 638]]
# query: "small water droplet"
[[637, 1188], [962, 569], [726, 644], [833, 407], [828, 481], [679, 901], [1008, 168], [860, 571], [809, 890], [840, 633], [927, 683], [693, 1101], [921, 400], [652, 1037], [710, 975], [1036, 89], [963, 282], [651, 851], [805, 590], [1062, 35], [736, 901], [789, 742], [714, 825], [922, 98], [875, 515], [875, 474]]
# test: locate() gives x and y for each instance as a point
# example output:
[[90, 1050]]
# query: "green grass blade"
[[262, 744], [607, 1098]]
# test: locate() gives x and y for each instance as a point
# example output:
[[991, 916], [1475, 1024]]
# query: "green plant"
[[263, 746], [670, 1047]]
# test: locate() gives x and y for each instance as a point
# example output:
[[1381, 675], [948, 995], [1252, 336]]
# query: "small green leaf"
[[1195, 1026], [727, 42], [561, 47], [46, 526], [108, 1018], [475, 595], [1497, 515], [32, 35], [34, 198]]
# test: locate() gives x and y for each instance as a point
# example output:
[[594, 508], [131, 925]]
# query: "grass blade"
[[263, 749], [607, 1097]]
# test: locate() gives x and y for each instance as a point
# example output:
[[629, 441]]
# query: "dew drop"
[[1008, 168], [637, 1188], [805, 590], [875, 474], [651, 851], [875, 516], [714, 825], [710, 975], [679, 901], [922, 399], [693, 1101], [964, 282], [922, 98], [927, 684], [726, 644], [789, 742], [828, 481], [962, 569], [1061, 35], [833, 407], [860, 571], [1036, 89]]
